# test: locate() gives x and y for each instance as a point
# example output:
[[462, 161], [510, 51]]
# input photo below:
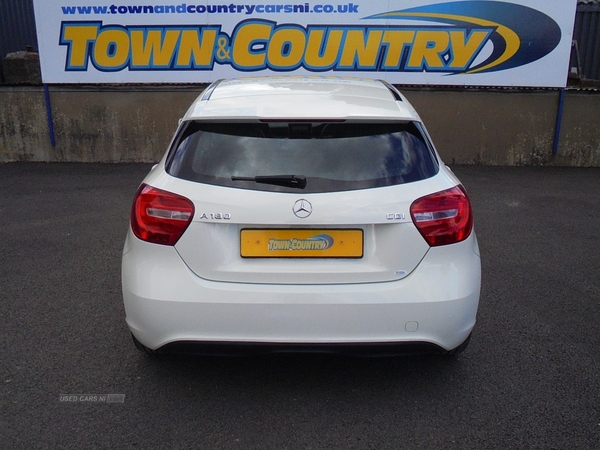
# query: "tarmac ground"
[[529, 378]]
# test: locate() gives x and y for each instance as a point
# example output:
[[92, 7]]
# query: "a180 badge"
[[215, 216]]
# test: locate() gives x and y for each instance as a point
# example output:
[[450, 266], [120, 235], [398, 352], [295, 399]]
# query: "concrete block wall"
[[135, 124], [511, 127], [108, 124]]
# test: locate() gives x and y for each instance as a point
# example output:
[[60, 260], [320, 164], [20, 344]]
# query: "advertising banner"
[[459, 43]]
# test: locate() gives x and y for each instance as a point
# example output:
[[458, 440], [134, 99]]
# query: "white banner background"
[[436, 43]]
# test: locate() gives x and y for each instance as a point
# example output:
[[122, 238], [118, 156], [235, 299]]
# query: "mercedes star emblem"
[[302, 209]]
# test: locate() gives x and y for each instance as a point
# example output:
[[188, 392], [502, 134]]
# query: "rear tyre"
[[141, 347], [460, 348]]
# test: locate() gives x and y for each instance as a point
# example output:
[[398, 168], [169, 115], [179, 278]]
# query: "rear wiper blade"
[[293, 181]]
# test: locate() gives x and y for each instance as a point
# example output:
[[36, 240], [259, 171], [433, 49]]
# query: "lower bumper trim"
[[349, 349]]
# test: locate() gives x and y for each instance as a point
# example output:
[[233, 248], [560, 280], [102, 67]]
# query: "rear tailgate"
[[250, 236]]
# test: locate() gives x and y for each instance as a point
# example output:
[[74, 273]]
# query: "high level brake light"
[[444, 217], [159, 216]]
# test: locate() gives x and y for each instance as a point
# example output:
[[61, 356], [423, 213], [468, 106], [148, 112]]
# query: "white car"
[[301, 214]]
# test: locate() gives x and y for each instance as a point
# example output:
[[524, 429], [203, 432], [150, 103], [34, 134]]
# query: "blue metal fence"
[[17, 26], [587, 35]]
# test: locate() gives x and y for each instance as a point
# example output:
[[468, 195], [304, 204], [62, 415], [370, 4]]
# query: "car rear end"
[[274, 224]]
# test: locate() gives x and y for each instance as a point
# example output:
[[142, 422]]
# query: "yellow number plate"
[[301, 243]]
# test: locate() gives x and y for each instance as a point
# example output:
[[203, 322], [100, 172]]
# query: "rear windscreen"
[[330, 157]]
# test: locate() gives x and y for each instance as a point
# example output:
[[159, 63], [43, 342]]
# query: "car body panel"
[[271, 97], [392, 245], [167, 302], [400, 290]]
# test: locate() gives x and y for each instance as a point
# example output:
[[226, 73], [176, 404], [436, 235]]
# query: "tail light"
[[159, 216], [444, 217]]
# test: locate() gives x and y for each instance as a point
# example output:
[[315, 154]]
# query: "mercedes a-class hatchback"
[[301, 214]]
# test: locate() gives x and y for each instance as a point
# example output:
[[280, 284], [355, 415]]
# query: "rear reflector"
[[444, 217], [159, 216]]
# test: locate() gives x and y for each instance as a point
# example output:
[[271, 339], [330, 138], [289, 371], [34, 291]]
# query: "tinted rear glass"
[[332, 156]]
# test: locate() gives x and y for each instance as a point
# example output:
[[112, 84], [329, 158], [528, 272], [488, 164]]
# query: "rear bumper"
[[262, 348], [166, 304]]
